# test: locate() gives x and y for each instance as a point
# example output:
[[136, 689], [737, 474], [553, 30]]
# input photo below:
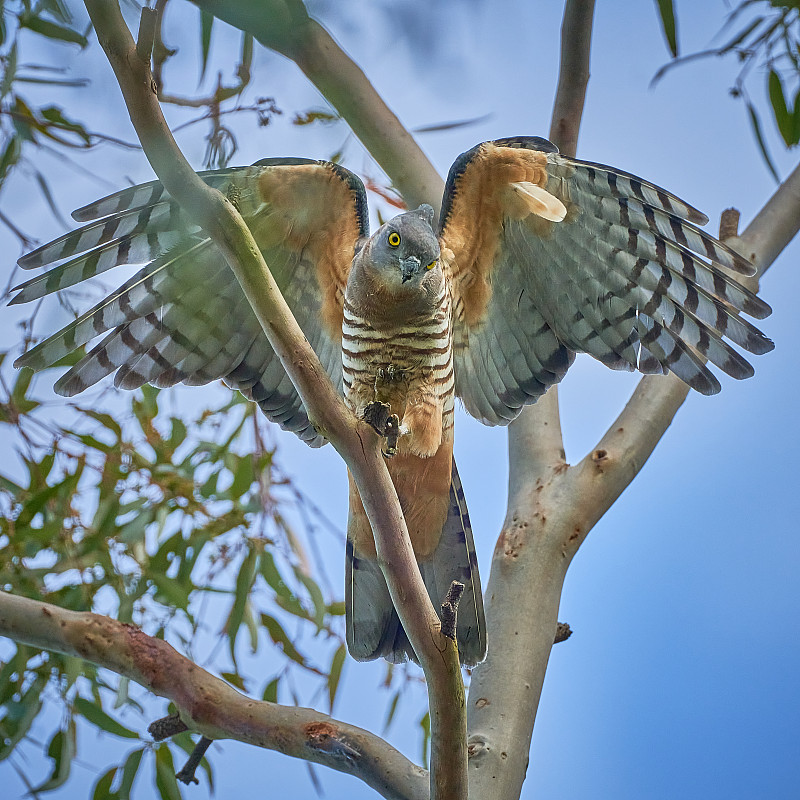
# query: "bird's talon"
[[377, 415], [392, 434]]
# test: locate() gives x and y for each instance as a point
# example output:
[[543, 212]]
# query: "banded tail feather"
[[373, 627]]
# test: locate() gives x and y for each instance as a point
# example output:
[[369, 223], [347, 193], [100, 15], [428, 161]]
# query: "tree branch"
[[355, 441], [536, 443], [773, 227], [284, 26], [573, 75], [548, 521], [529, 563], [208, 704]]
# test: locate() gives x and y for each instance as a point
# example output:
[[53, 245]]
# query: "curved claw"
[[380, 417], [392, 435]]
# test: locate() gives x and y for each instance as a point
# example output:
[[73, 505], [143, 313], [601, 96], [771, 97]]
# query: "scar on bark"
[[450, 609], [171, 726]]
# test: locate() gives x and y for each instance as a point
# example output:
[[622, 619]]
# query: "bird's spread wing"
[[549, 255], [183, 317]]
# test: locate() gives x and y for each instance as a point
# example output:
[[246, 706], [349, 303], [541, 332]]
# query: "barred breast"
[[408, 364]]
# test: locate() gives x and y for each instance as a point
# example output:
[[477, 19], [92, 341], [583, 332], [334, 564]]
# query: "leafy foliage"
[[766, 38], [23, 124], [146, 516]]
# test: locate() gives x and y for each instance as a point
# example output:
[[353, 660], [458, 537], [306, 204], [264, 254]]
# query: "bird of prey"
[[536, 256]]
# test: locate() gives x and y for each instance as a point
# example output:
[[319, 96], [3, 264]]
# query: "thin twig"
[[187, 773], [450, 609]]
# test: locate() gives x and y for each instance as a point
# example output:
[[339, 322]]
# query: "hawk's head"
[[405, 249]]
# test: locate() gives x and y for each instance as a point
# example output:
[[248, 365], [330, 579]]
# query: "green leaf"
[[209, 488], [21, 386], [244, 583], [10, 486], [234, 679], [243, 476], [335, 673], [166, 783], [252, 625], [106, 420], [10, 73], [20, 715], [668, 24], [129, 770], [271, 691], [170, 592], [57, 9], [62, 751], [102, 789], [35, 504], [280, 637], [94, 714], [206, 26], [121, 697], [391, 712], [9, 156], [133, 531], [55, 115], [177, 433], [246, 56], [796, 118], [284, 595], [783, 117], [11, 674], [756, 125], [315, 593], [44, 187], [425, 724], [52, 30]]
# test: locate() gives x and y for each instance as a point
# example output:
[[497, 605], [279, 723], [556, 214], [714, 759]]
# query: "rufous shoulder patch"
[[497, 182], [315, 211]]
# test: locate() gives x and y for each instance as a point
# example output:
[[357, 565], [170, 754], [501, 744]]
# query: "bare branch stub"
[[450, 609], [167, 726], [146, 35], [729, 224], [187, 774], [563, 632]]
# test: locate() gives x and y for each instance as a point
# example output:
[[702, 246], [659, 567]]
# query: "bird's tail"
[[373, 627]]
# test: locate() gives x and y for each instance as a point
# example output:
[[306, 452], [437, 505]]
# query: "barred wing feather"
[[596, 261], [183, 316]]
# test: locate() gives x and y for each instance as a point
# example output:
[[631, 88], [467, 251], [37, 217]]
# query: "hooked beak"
[[409, 267]]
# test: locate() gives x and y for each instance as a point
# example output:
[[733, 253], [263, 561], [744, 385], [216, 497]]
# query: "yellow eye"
[[431, 265], [394, 238]]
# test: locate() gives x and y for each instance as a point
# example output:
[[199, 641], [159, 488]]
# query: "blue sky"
[[681, 677]]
